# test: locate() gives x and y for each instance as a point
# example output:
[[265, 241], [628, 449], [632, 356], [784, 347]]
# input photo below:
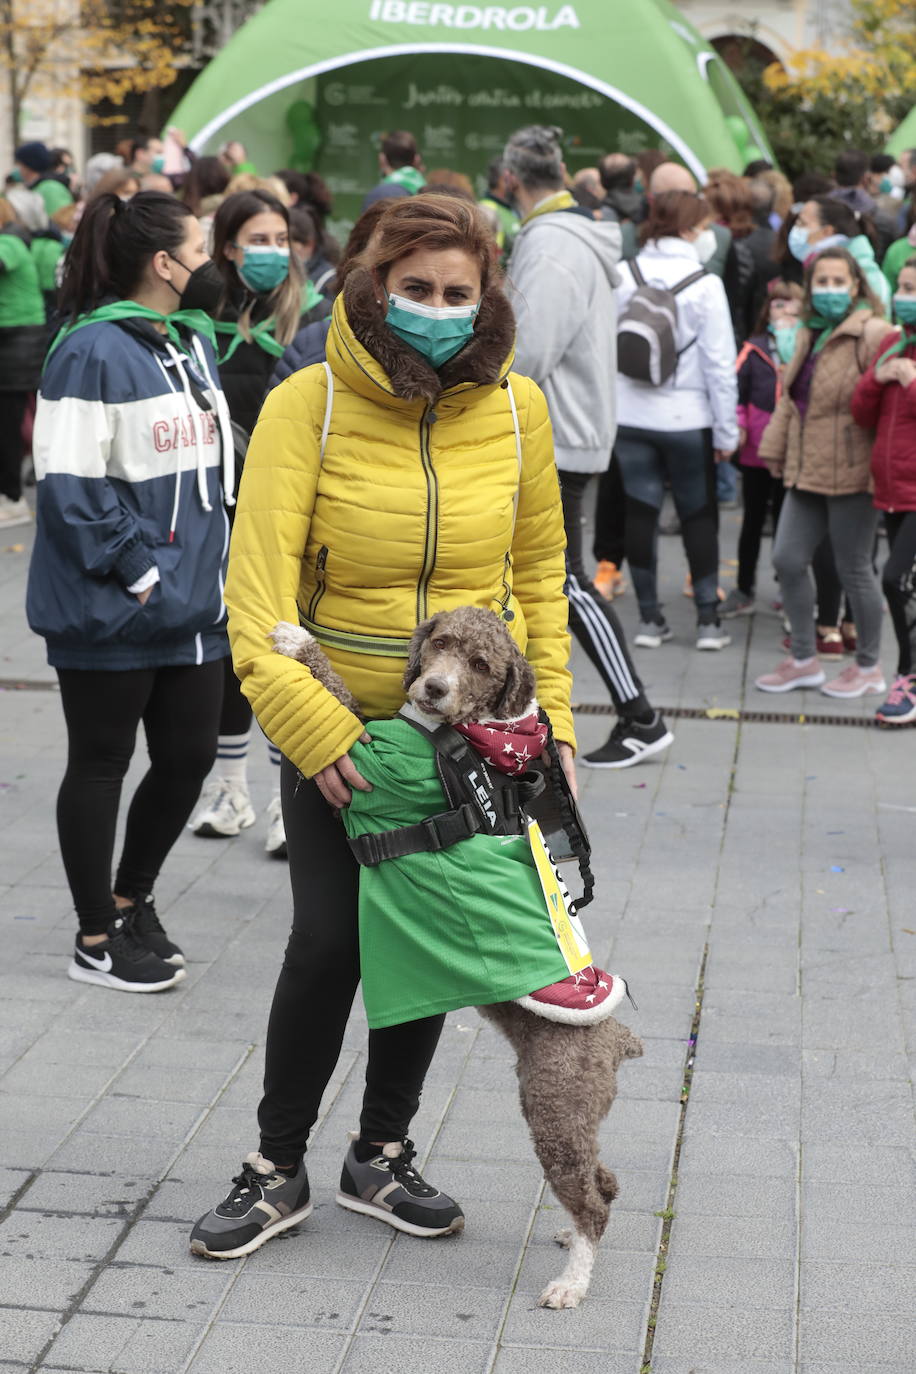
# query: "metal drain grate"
[[731, 713]]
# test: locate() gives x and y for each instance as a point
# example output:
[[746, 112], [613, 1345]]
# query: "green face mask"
[[785, 336], [905, 309], [158, 163], [438, 332], [832, 305]]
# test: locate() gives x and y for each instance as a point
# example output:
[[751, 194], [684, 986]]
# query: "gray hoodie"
[[561, 283]]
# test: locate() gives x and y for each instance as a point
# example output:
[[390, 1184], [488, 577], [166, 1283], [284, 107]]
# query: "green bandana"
[[824, 328], [899, 346], [262, 334], [194, 320]]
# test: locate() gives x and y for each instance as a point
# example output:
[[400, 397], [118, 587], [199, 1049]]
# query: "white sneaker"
[[275, 844], [651, 634], [225, 809], [14, 512]]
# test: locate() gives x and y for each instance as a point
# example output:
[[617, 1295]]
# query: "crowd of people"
[[684, 336], [483, 367]]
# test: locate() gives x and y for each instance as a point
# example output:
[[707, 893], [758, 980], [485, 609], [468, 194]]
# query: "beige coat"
[[826, 452]]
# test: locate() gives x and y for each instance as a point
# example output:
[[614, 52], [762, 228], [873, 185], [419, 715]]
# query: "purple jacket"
[[758, 392]]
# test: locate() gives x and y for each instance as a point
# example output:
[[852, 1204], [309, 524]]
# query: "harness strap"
[[429, 837]]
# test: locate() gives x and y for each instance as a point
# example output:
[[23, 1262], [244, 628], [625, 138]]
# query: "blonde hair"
[[250, 181]]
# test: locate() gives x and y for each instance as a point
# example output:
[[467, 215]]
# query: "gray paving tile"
[[143, 1291], [732, 1236], [35, 1235], [517, 1359], [94, 1195], [371, 1353], [267, 1349], [737, 1333], [597, 1324], [730, 1282], [857, 1163], [29, 1282], [284, 1300], [723, 1196], [90, 1342], [676, 1364], [832, 1238], [706, 1153], [26, 1332], [449, 1312], [863, 1338], [855, 1287]]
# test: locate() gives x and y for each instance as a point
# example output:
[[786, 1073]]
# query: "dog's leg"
[[290, 640], [572, 1285]]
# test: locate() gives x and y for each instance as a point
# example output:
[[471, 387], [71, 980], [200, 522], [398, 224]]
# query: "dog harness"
[[485, 801]]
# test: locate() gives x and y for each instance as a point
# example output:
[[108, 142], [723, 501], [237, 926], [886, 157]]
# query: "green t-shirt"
[[54, 194], [47, 254], [895, 257], [460, 928], [21, 301]]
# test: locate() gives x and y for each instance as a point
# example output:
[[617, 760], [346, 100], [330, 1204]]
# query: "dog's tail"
[[630, 1044]]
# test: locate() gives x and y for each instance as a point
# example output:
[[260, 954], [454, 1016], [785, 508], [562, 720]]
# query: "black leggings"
[[592, 619], [759, 490], [179, 708], [12, 411], [898, 581], [315, 992], [611, 516]]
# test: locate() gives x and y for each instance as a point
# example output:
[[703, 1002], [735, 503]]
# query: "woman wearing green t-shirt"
[[22, 350]]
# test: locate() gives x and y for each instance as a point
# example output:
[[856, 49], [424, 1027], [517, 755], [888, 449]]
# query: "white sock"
[[801, 662], [232, 758], [275, 757]]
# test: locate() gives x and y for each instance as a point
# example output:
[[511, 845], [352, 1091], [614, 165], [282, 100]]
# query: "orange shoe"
[[609, 580]]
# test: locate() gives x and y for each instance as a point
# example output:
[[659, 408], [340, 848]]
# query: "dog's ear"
[[518, 688], [420, 635]]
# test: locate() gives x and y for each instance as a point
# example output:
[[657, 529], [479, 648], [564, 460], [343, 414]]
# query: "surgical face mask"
[[204, 288], [832, 305], [905, 309], [437, 332], [705, 244], [158, 163], [799, 246], [263, 268], [785, 335]]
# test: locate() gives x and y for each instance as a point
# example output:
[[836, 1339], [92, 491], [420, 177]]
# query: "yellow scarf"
[[561, 201]]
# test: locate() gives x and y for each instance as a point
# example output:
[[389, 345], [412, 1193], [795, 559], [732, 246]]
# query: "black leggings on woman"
[[315, 992], [179, 708], [898, 581], [759, 490]]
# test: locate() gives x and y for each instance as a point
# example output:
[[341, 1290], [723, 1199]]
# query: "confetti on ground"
[[683, 767], [637, 785], [842, 910], [836, 868], [14, 548], [906, 930]]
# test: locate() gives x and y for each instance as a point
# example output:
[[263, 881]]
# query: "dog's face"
[[464, 666]]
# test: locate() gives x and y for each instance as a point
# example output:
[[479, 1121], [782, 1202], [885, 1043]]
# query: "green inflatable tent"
[[903, 139], [306, 87]]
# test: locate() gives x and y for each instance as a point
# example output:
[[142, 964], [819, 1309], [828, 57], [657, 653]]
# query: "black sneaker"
[[123, 962], [388, 1187], [148, 929], [262, 1203], [630, 743]]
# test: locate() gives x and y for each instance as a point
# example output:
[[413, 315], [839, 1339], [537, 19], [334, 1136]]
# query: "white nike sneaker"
[[122, 962], [275, 844], [224, 809]]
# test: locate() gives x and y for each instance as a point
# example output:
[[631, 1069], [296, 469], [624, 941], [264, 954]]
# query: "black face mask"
[[203, 290]]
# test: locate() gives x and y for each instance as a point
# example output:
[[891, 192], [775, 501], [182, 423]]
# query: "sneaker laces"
[[402, 1169], [125, 941], [144, 917], [246, 1182], [901, 691]]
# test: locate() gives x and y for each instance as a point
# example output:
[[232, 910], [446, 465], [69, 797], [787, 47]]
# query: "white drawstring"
[[225, 425], [193, 419]]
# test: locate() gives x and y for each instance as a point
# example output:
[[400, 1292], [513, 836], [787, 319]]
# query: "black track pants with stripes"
[[592, 619]]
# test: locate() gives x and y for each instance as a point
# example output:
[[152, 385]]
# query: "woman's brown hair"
[[841, 255], [673, 213], [777, 290], [429, 221], [730, 198]]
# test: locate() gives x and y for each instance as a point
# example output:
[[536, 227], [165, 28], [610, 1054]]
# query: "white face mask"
[[705, 244]]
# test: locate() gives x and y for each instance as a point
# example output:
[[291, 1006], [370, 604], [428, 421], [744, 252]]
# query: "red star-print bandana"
[[509, 746]]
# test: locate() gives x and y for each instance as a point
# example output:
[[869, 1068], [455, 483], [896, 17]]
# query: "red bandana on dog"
[[508, 745]]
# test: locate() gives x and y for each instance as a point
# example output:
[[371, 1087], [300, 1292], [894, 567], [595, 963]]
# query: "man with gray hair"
[[561, 283]]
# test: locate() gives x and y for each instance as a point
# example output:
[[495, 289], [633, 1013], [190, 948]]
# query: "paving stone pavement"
[[774, 859]]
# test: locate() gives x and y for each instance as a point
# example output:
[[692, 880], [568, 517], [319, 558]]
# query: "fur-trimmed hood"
[[358, 328]]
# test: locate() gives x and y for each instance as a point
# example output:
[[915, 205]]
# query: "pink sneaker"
[[579, 1000], [855, 681], [789, 674]]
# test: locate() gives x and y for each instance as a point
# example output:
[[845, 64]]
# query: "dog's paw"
[[289, 639], [564, 1237], [559, 1294]]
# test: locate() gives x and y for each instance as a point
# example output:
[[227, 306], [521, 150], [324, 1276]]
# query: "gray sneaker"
[[651, 634], [261, 1204], [736, 603], [388, 1187]]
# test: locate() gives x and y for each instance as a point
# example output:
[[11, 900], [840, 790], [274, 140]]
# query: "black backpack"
[[647, 332]]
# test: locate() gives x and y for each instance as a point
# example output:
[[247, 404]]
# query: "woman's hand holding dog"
[[568, 764], [335, 781]]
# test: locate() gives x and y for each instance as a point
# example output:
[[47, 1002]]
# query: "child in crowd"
[[759, 366], [885, 400]]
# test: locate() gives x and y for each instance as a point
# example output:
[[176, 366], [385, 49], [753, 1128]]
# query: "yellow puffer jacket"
[[410, 512]]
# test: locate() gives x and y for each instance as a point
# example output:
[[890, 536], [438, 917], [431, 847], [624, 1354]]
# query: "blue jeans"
[[685, 457]]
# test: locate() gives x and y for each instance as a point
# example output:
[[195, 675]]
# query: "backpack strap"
[[688, 281], [633, 264]]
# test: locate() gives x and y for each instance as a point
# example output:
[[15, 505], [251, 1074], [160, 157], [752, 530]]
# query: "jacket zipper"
[[321, 563], [431, 533], [503, 601]]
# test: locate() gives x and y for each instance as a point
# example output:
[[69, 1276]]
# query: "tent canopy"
[[612, 73], [904, 136]]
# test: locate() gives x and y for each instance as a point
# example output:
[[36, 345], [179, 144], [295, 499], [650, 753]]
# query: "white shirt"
[[703, 392]]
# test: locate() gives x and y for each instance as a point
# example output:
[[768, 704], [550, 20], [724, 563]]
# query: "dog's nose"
[[434, 687]]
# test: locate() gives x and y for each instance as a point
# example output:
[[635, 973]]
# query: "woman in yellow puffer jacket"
[[413, 475]]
